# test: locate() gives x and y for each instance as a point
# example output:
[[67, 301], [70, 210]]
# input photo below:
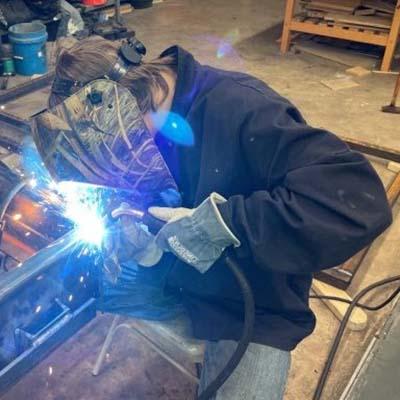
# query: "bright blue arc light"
[[83, 209]]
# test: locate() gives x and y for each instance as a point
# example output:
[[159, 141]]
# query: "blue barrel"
[[29, 47]]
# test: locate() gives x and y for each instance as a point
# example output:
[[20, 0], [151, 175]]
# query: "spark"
[[27, 234], [53, 185], [33, 183], [17, 217], [70, 297], [90, 227], [38, 308], [81, 279], [72, 201], [83, 208], [53, 197], [50, 370]]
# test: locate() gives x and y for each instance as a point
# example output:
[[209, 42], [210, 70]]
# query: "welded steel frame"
[[19, 91], [61, 328], [59, 333]]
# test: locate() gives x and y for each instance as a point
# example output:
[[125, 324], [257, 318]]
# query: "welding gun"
[[154, 225]]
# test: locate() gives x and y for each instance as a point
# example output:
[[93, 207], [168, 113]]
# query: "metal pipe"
[[10, 197], [118, 12], [37, 264], [13, 241], [27, 87], [30, 229]]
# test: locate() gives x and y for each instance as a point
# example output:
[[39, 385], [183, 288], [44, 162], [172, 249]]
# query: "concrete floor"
[[239, 35]]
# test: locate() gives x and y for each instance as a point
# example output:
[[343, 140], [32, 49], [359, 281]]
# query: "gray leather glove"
[[197, 236], [128, 240]]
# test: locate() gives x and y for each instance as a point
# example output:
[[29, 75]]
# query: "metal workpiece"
[[43, 302], [37, 264], [27, 87]]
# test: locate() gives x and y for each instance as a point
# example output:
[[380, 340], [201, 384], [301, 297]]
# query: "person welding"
[[250, 174]]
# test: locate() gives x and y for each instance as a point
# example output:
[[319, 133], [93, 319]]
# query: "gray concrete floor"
[[239, 35]]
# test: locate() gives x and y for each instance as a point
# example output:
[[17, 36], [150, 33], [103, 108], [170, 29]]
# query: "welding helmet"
[[97, 135]]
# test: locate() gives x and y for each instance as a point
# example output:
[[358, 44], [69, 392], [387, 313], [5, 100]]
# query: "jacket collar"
[[188, 79]]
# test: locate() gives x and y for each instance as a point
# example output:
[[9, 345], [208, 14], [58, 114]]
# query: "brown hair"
[[94, 57]]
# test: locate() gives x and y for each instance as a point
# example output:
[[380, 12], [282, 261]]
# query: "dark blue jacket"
[[299, 200]]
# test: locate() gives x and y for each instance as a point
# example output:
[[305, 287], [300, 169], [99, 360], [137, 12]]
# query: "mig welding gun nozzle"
[[126, 209]]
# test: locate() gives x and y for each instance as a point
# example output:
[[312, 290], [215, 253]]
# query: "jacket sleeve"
[[316, 202]]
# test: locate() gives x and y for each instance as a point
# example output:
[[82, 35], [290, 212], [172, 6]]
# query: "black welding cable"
[[247, 333], [360, 305], [332, 353], [230, 262]]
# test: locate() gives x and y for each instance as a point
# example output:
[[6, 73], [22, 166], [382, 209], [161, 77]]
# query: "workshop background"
[[337, 61]]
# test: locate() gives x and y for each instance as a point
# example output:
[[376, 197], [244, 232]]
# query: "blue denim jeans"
[[261, 374]]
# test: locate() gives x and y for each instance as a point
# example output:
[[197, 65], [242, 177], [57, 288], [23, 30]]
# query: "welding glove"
[[128, 240], [196, 236]]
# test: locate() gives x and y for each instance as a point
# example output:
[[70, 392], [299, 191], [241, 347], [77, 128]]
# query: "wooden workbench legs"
[[285, 43], [390, 45], [392, 40]]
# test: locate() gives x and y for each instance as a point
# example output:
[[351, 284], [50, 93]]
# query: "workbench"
[[388, 40]]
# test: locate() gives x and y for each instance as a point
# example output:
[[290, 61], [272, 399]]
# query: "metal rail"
[[37, 264], [27, 87]]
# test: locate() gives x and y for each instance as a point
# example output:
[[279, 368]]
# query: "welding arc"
[[247, 333], [354, 303]]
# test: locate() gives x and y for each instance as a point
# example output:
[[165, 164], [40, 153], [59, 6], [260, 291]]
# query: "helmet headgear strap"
[[130, 53]]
